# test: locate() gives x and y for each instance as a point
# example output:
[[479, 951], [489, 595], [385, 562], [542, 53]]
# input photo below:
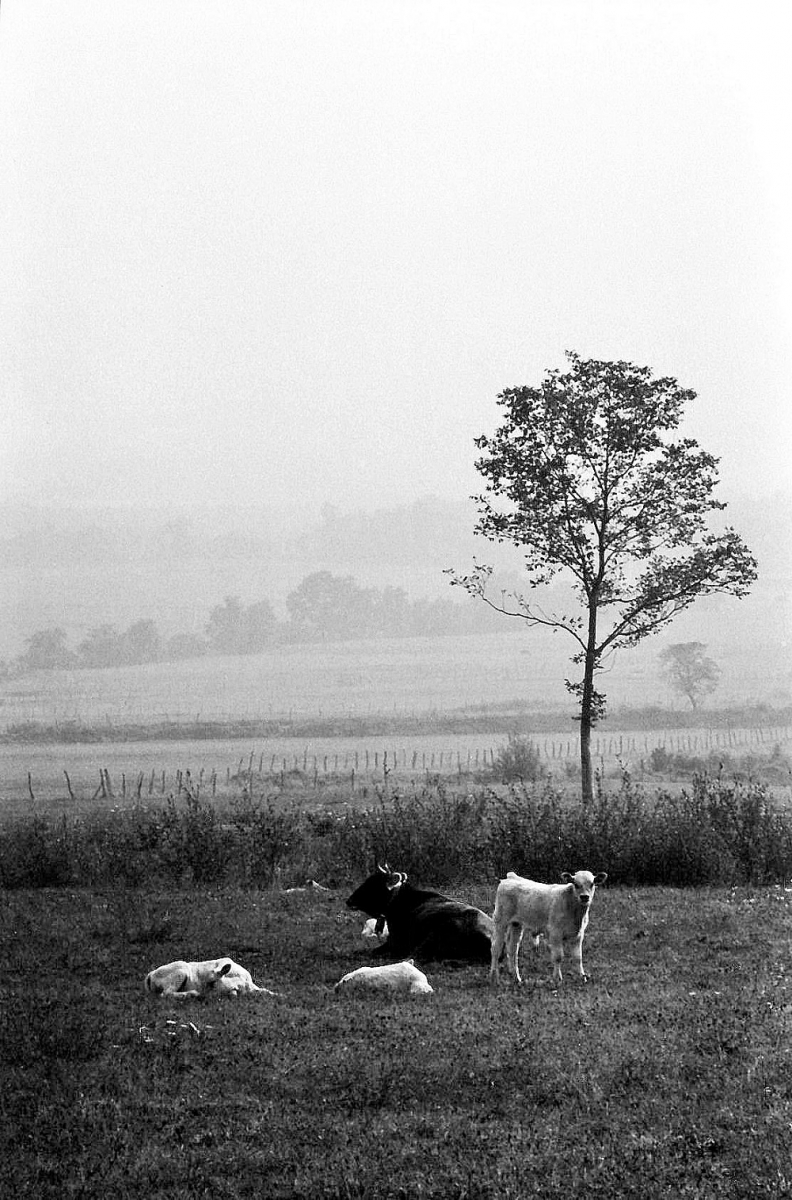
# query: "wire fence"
[[356, 766]]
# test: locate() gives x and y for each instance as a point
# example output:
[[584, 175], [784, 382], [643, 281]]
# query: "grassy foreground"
[[668, 1075]]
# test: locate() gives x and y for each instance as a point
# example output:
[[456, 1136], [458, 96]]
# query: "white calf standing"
[[403, 977], [188, 980], [558, 910]]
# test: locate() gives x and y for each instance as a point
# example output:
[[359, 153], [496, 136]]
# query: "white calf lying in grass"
[[560, 911], [188, 980], [375, 930], [403, 977]]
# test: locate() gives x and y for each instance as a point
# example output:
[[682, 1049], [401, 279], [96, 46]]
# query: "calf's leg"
[[514, 939], [576, 954], [498, 939], [556, 957]]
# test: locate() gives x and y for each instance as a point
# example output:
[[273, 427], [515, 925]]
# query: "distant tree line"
[[323, 607]]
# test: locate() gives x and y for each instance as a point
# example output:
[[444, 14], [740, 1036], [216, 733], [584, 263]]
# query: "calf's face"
[[215, 976], [585, 884]]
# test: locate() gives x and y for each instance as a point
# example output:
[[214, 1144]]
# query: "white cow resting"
[[188, 980], [403, 977], [560, 911]]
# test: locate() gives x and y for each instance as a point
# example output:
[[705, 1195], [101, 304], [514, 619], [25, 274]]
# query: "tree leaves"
[[585, 477]]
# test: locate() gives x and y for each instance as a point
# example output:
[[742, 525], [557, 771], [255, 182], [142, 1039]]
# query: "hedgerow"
[[717, 831]]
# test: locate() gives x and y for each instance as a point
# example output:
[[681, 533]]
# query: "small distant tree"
[[224, 627], [234, 629], [102, 646], [327, 607], [142, 642], [586, 479], [46, 650], [689, 671]]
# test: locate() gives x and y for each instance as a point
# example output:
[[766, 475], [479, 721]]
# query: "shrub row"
[[717, 832]]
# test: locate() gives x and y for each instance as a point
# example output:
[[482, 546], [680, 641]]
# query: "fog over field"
[[265, 275], [79, 570]]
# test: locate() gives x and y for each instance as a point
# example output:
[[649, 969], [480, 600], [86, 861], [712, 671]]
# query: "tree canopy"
[[690, 671], [586, 477]]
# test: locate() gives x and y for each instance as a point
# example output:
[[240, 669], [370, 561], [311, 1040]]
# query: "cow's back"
[[435, 926]]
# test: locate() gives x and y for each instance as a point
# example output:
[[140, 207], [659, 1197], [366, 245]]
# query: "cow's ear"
[[226, 967], [566, 877], [603, 875]]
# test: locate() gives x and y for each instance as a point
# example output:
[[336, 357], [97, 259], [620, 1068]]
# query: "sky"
[[288, 253]]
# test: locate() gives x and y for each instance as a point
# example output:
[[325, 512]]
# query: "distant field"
[[421, 678], [418, 675], [152, 769]]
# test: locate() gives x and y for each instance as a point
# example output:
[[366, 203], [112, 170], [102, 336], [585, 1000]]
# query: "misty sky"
[[289, 253]]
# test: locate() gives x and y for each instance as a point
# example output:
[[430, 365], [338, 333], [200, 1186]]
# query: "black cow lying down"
[[423, 924]]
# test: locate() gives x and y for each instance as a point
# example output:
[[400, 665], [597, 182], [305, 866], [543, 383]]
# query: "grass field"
[[410, 675], [668, 1075]]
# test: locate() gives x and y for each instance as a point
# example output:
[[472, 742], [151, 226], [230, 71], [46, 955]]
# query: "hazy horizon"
[[267, 267], [288, 254]]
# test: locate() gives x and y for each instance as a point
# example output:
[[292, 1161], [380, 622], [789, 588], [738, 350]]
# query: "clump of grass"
[[268, 841], [38, 852], [517, 759], [773, 768], [434, 832]]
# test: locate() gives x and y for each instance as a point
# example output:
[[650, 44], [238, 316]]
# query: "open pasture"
[[667, 1075], [418, 676]]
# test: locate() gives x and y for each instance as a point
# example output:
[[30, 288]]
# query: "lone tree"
[[689, 671], [589, 483]]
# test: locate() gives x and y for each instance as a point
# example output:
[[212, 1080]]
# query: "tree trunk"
[[587, 706], [586, 775]]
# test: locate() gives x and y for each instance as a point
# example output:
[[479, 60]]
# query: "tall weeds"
[[716, 832]]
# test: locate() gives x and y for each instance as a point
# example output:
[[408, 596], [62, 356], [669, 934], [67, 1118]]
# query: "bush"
[[433, 833], [268, 842], [38, 853], [717, 832], [519, 759]]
